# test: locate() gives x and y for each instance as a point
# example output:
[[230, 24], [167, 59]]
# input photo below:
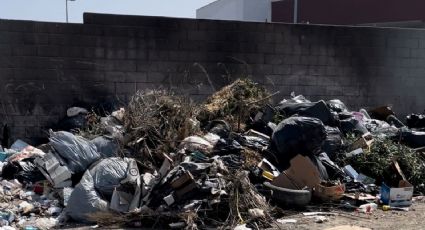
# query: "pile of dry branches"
[[234, 103], [156, 121], [243, 196]]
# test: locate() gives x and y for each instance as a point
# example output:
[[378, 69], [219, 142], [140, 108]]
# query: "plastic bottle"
[[31, 228], [387, 208], [367, 208]]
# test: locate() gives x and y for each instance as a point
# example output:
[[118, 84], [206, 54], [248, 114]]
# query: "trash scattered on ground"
[[287, 221], [236, 161], [348, 227]]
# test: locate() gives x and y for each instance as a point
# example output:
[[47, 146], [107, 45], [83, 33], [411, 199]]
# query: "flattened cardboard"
[[362, 197], [302, 173]]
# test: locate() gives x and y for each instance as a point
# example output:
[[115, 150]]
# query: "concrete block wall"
[[47, 67]]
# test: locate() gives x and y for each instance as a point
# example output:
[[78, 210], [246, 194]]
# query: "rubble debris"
[[348, 227], [165, 162]]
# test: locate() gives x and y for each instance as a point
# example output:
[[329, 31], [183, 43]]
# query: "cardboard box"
[[329, 193], [400, 196], [182, 180], [397, 197], [303, 173], [363, 142]]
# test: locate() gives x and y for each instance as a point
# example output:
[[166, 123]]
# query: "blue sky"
[[54, 10]]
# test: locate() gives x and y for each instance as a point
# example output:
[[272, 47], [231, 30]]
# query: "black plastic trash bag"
[[72, 123], [77, 152], [262, 127], [415, 121], [262, 120], [95, 189], [106, 146], [320, 167], [219, 127], [226, 146], [317, 110], [333, 141], [413, 139], [253, 142], [352, 126], [333, 170], [24, 171], [297, 135], [337, 105]]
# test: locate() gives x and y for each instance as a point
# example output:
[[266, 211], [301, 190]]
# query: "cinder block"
[[197, 36], [36, 38], [404, 43], [266, 48], [48, 51], [274, 59], [125, 65], [126, 88]]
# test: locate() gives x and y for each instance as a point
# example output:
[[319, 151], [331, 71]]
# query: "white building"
[[238, 10]]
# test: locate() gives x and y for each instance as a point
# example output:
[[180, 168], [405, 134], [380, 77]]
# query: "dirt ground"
[[388, 220]]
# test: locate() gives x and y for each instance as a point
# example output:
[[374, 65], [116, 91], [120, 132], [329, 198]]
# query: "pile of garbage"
[[235, 161]]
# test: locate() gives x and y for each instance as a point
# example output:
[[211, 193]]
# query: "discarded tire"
[[289, 197]]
